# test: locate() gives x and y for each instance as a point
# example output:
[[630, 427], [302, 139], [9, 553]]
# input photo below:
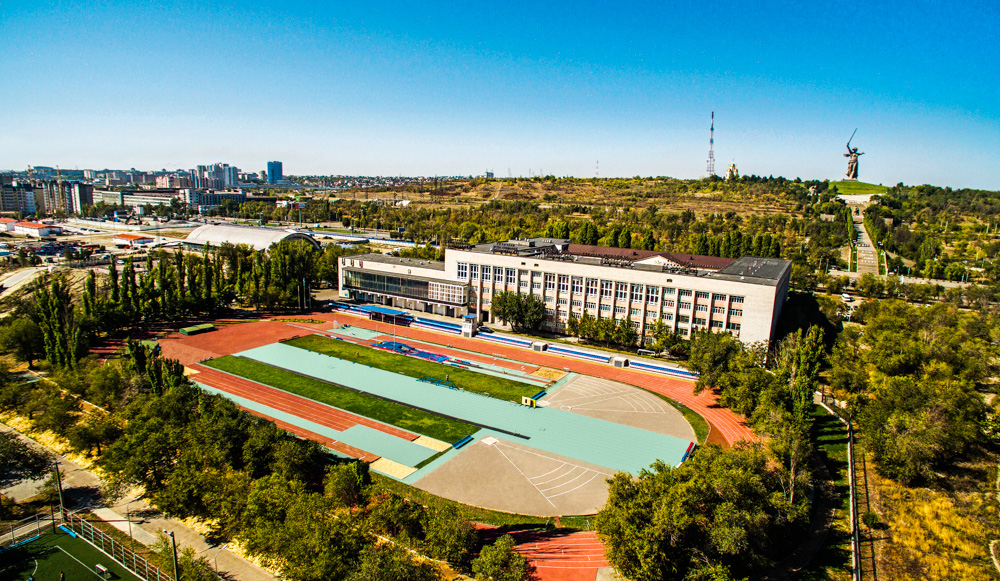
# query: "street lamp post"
[[173, 545]]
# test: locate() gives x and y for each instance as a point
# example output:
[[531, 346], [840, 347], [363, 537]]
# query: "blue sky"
[[461, 87]]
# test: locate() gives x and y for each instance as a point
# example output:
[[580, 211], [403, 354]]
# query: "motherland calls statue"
[[852, 163]]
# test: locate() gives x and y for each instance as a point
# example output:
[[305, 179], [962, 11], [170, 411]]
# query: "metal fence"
[[25, 530], [125, 556]]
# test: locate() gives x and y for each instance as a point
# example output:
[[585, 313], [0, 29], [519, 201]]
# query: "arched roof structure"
[[254, 236]]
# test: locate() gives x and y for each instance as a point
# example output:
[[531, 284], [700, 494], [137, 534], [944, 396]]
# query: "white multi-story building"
[[687, 292]]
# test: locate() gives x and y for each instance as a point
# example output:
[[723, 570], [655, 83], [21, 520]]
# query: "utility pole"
[[62, 505], [173, 545]]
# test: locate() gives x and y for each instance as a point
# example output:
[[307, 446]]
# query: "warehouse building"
[[256, 237]]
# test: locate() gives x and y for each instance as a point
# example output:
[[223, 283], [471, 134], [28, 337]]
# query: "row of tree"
[[196, 454]]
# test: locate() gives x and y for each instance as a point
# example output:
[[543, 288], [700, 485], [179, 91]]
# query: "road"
[[20, 278]]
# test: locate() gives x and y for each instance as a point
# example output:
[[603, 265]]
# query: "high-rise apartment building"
[[274, 172]]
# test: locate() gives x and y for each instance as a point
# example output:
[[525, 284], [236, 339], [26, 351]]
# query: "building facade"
[[686, 292]]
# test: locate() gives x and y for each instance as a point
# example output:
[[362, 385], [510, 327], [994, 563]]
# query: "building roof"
[[387, 259], [756, 270], [551, 247], [256, 237], [698, 260], [133, 237], [33, 225], [7, 220]]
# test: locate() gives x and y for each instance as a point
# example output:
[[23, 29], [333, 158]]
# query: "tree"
[[389, 562], [23, 338], [20, 461], [721, 510], [625, 238], [448, 536], [711, 354], [347, 483], [500, 562]]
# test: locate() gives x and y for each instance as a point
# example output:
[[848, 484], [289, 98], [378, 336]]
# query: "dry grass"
[[940, 534]]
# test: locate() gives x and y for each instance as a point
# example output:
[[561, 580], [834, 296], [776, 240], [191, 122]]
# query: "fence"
[[125, 557], [25, 530]]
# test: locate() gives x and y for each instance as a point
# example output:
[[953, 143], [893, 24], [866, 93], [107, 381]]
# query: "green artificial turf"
[[56, 553], [363, 404], [491, 385]]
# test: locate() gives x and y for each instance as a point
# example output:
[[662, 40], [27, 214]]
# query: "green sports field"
[[491, 385], [56, 553], [363, 404]]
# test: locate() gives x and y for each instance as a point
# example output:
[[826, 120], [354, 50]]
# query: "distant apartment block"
[[19, 196]]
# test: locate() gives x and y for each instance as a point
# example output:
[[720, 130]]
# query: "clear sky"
[[415, 88]]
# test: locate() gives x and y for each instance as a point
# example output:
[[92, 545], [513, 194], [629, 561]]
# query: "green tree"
[[388, 562], [23, 338], [721, 510], [500, 562], [711, 354], [448, 536], [19, 460]]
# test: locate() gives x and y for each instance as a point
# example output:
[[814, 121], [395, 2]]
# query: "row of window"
[[565, 283]]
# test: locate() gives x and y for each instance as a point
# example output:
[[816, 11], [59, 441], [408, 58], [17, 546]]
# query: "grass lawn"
[[491, 385], [851, 188], [388, 412]]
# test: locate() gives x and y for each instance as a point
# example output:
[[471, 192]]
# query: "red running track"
[[558, 555], [304, 408]]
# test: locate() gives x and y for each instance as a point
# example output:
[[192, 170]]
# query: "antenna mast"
[[711, 147]]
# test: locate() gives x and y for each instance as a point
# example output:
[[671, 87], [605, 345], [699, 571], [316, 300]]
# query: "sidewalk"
[[83, 487]]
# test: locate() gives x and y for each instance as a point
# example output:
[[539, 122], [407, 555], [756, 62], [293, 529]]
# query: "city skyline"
[[553, 88]]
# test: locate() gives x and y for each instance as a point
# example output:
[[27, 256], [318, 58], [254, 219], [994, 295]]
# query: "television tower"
[[711, 147]]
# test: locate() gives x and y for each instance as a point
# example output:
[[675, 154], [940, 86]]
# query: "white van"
[[846, 298]]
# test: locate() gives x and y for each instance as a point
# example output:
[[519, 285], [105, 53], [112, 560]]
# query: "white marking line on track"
[[79, 561], [562, 476], [497, 448], [555, 460], [562, 465], [547, 473], [572, 489], [574, 479]]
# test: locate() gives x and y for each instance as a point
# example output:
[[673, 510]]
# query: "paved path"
[[83, 486], [867, 256], [19, 278]]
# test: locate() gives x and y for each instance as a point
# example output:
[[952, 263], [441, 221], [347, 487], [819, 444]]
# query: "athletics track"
[[558, 557]]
